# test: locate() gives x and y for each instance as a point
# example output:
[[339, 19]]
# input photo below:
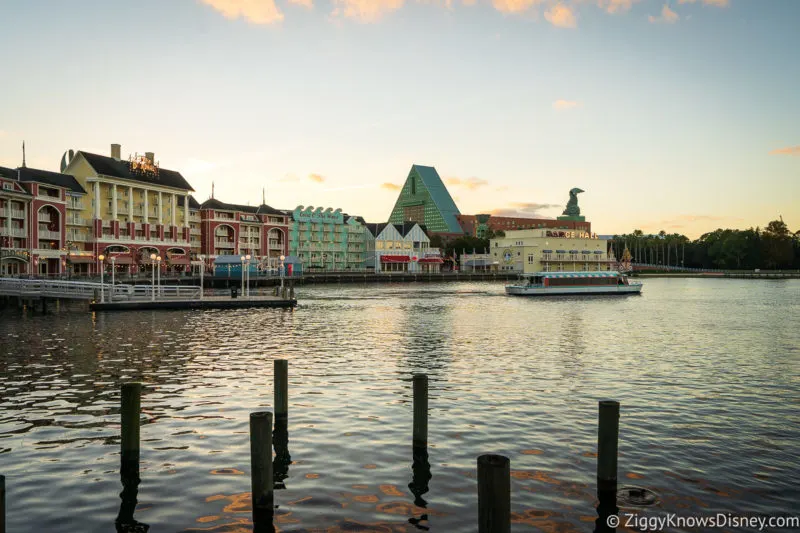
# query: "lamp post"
[[242, 258], [202, 269], [153, 284], [247, 257], [283, 258], [158, 275], [101, 257], [113, 259]]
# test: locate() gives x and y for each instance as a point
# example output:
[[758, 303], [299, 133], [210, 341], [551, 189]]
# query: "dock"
[[210, 302]]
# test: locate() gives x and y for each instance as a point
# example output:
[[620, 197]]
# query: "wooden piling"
[[131, 408], [261, 466], [607, 445], [420, 435], [494, 494], [281, 386], [2, 504]]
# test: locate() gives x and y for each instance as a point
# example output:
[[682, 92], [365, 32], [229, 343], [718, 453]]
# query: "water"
[[707, 372]]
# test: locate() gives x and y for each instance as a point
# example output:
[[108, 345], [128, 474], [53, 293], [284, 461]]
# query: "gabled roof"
[[407, 226], [440, 196], [11, 175], [262, 209], [55, 179], [375, 228], [108, 166], [193, 204]]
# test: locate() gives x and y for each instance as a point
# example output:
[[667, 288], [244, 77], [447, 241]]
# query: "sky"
[[681, 115]]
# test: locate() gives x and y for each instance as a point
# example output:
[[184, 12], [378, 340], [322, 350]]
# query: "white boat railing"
[[87, 290]]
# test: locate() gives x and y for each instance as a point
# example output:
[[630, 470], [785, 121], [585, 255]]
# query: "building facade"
[[424, 199], [236, 230], [482, 225], [327, 240], [401, 248], [542, 250], [131, 213]]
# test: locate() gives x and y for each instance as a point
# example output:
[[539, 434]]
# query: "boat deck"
[[208, 302]]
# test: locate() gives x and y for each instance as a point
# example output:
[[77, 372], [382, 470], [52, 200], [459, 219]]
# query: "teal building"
[[424, 199], [327, 239]]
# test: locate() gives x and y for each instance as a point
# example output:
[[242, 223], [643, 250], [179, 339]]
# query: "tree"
[[777, 245]]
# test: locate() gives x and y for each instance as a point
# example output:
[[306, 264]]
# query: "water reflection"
[[421, 475], [125, 523], [280, 465]]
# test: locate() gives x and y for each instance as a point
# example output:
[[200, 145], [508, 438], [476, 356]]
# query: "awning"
[[586, 251], [547, 251], [181, 260], [431, 260], [598, 252], [121, 259], [81, 259], [573, 251], [395, 259], [561, 251]]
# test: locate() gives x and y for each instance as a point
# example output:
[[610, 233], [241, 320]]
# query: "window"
[[413, 185], [530, 259], [8, 186]]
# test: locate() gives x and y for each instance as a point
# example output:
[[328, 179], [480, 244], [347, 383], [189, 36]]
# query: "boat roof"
[[590, 274]]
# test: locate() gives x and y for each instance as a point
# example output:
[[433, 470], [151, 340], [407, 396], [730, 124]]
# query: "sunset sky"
[[682, 116]]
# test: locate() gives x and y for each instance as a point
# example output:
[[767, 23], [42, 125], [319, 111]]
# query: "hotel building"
[[401, 248], [481, 225], [132, 211], [542, 250], [327, 239]]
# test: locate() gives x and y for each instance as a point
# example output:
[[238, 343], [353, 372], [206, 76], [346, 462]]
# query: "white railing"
[[13, 232], [49, 235], [225, 244], [80, 237], [77, 221], [91, 290], [44, 217], [75, 205], [194, 231], [16, 213], [162, 292]]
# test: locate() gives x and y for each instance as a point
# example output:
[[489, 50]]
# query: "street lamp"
[[101, 257], [153, 284], [242, 258], [247, 257], [283, 258], [113, 259], [202, 269], [158, 278]]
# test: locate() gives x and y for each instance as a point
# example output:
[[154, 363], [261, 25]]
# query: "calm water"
[[708, 373]]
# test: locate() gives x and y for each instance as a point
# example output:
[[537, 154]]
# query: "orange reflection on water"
[[531, 452], [227, 472], [391, 490], [536, 475]]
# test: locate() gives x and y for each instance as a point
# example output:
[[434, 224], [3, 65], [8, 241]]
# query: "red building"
[[472, 224], [232, 229]]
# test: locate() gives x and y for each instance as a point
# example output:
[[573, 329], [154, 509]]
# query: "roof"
[[8, 173], [55, 179], [407, 226], [108, 166], [262, 209], [193, 204], [587, 274], [376, 228], [440, 196]]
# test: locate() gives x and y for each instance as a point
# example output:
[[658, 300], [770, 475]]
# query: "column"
[[114, 201], [130, 204], [160, 209], [174, 210], [145, 211], [186, 211], [97, 200]]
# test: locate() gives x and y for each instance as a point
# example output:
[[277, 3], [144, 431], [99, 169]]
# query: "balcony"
[[122, 210], [194, 218], [44, 217], [49, 235], [77, 237], [137, 211], [77, 221], [13, 232], [275, 245], [75, 204], [194, 231], [224, 244]]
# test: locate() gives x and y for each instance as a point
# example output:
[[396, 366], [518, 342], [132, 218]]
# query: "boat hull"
[[518, 290]]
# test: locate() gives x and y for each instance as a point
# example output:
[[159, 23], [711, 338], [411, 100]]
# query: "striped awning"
[[573, 251], [598, 252], [561, 251], [395, 259], [547, 251], [586, 251], [431, 260]]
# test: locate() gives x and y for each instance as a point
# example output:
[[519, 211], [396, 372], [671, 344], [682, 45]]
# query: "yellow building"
[[545, 250], [134, 209]]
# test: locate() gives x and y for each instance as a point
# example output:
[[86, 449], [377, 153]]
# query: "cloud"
[[305, 3], [668, 16], [562, 105], [289, 178], [391, 186], [560, 15], [469, 183], [365, 10], [254, 11], [524, 210], [513, 6], [316, 178], [616, 6], [718, 3], [789, 150]]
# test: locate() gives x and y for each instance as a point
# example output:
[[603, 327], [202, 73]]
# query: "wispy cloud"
[[668, 16], [305, 3], [289, 178], [718, 3], [391, 186], [365, 10], [789, 150], [468, 183], [254, 11], [616, 6], [524, 210], [561, 105], [513, 6], [560, 15], [316, 178]]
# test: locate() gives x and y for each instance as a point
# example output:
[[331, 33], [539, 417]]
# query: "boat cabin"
[[576, 279]]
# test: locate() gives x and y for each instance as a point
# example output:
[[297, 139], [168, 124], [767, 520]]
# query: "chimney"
[[150, 157], [116, 149]]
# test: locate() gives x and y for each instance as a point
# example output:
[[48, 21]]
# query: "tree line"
[[774, 247]]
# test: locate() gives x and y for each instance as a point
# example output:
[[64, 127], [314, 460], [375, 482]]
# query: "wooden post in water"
[[281, 385], [607, 442], [494, 494], [131, 407], [261, 467], [2, 504], [420, 436]]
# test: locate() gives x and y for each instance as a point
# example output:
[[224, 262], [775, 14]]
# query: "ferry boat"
[[561, 283]]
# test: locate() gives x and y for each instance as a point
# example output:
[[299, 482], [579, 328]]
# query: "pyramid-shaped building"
[[424, 199]]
